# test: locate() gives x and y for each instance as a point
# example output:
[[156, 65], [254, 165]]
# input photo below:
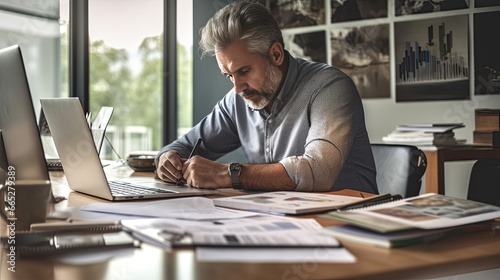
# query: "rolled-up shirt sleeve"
[[331, 135]]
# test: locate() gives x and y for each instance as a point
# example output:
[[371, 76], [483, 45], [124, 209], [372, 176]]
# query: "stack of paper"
[[424, 134], [221, 234]]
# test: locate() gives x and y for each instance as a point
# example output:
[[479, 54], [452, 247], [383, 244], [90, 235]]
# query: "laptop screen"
[[22, 142]]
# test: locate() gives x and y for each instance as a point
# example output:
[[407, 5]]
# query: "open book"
[[427, 211], [283, 202]]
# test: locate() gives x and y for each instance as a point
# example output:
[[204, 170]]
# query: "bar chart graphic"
[[432, 59]]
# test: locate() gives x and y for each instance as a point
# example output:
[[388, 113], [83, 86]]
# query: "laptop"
[[82, 165], [98, 134], [23, 147], [4, 165], [99, 126]]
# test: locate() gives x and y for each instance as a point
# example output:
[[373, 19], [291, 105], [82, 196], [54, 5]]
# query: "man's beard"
[[268, 90]]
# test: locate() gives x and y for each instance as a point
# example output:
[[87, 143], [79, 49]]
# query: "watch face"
[[235, 167], [234, 172]]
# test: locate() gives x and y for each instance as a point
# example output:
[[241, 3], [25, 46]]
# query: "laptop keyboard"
[[125, 188]]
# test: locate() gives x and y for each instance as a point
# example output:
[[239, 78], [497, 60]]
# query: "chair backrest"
[[399, 169], [484, 182]]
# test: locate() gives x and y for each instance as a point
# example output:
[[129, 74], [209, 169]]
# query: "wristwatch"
[[234, 170]]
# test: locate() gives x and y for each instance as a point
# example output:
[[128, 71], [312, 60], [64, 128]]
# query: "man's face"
[[255, 78]]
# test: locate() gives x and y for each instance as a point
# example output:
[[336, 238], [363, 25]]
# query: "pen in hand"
[[193, 151]]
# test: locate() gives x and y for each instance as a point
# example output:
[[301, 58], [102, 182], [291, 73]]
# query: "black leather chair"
[[399, 169], [484, 182]]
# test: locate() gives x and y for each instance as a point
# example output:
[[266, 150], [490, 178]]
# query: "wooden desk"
[[436, 157], [454, 255]]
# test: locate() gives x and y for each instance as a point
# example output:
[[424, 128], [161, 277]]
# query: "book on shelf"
[[486, 137], [424, 134], [294, 203], [430, 127], [487, 119], [426, 211], [422, 138], [398, 238]]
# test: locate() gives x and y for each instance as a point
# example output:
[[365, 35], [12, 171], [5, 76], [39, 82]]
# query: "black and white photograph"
[[347, 10], [409, 7], [486, 59], [432, 61], [363, 54], [291, 14], [486, 3], [310, 46]]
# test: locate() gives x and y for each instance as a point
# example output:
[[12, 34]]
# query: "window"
[[125, 71], [34, 26], [184, 66], [126, 63]]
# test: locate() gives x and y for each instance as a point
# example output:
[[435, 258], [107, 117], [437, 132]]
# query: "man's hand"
[[200, 172], [170, 167]]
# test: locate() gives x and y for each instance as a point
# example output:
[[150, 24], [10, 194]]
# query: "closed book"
[[429, 127], [485, 137], [399, 238], [487, 119], [365, 221], [421, 138]]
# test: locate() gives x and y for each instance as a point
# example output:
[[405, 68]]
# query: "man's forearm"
[[265, 177]]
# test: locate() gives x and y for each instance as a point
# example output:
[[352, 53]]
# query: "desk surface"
[[453, 255]]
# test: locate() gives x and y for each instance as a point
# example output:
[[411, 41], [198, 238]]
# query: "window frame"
[[79, 62]]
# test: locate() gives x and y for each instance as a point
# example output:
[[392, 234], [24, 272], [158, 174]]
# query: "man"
[[301, 124]]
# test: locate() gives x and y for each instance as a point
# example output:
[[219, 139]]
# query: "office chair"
[[399, 169], [484, 182]]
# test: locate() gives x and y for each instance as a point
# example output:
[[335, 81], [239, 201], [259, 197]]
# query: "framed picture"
[[310, 46], [291, 14], [432, 61], [486, 3], [409, 7], [486, 59], [347, 10], [363, 54]]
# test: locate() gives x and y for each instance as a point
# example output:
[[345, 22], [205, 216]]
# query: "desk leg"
[[434, 174]]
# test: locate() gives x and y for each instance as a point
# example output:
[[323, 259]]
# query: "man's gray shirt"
[[317, 112]]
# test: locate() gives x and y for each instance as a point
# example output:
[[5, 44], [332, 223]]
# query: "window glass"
[[64, 51], [39, 41], [184, 66], [126, 52]]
